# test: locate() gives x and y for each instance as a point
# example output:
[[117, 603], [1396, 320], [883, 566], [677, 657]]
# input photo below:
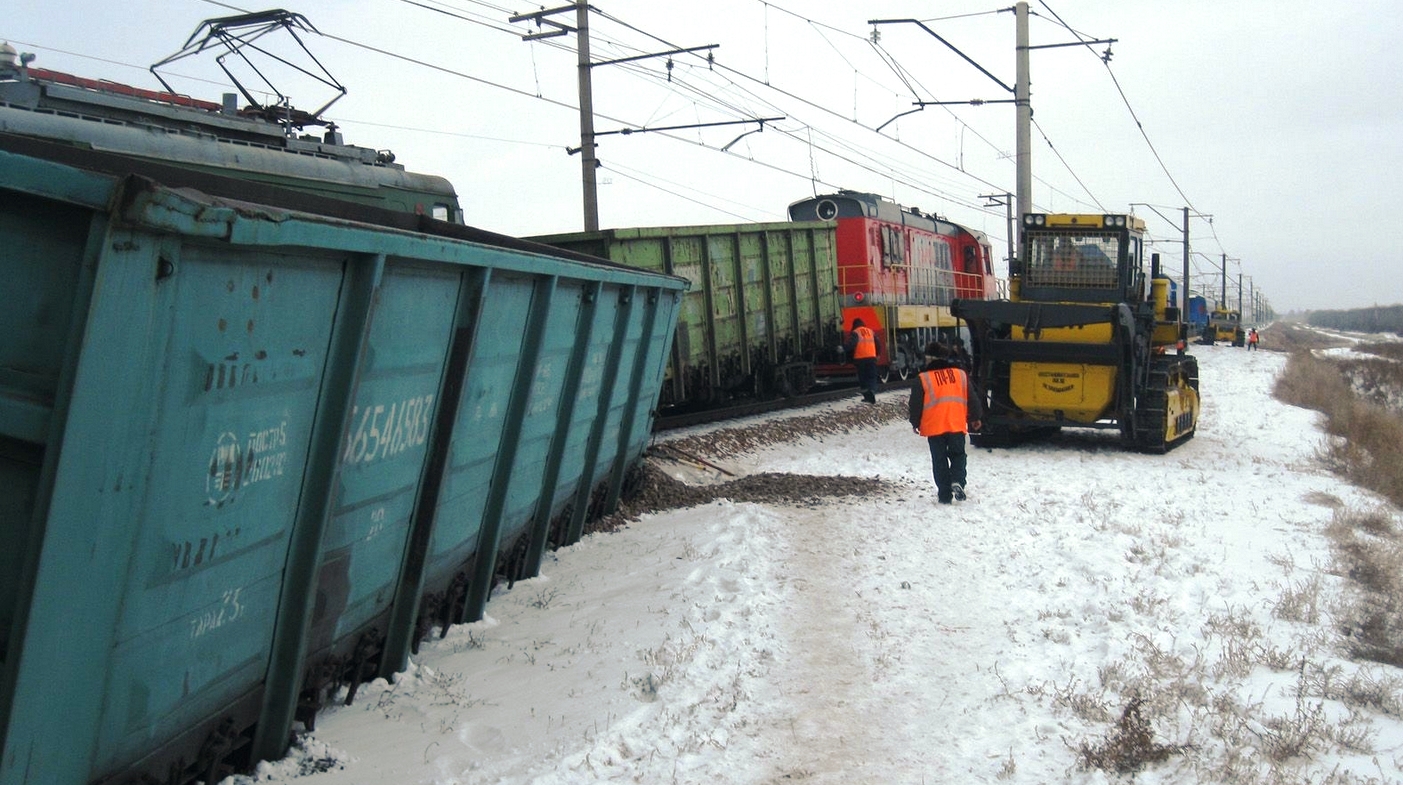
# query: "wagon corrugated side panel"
[[158, 540], [232, 377], [46, 249], [223, 430], [401, 369]]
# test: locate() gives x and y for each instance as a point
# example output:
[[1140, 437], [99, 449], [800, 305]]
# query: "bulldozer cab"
[[1082, 258]]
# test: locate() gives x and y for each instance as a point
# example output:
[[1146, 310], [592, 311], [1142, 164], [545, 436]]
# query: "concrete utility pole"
[[589, 163], [589, 160], [1184, 314], [1224, 301], [1021, 98], [1024, 106]]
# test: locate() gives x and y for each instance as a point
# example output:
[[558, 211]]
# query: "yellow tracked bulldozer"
[[1086, 339], [1225, 326]]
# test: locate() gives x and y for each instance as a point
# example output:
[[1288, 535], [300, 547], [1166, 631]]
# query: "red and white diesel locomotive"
[[898, 271]]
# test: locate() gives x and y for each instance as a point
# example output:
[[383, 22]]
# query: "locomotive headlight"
[[1035, 219]]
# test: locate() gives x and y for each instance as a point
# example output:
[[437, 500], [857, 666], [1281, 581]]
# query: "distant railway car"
[[763, 309], [1198, 315], [251, 454], [898, 270]]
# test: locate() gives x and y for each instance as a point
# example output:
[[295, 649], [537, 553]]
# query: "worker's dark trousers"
[[947, 458], [867, 375]]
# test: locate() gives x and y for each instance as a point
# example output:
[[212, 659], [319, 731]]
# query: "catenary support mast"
[[1025, 119], [589, 164]]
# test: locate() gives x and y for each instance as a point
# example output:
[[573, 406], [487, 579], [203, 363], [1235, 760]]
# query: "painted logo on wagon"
[[240, 461]]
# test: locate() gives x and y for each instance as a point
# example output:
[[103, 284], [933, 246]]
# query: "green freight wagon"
[[763, 308]]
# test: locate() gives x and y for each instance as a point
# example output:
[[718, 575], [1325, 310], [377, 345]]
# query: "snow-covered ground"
[[892, 640]]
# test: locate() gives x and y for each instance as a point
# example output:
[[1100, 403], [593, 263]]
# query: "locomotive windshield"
[[1073, 261]]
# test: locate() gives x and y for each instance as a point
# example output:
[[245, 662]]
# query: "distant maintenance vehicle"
[[1225, 325]]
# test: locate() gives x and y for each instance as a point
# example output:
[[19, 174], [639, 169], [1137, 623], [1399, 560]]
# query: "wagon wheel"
[[907, 364], [795, 379]]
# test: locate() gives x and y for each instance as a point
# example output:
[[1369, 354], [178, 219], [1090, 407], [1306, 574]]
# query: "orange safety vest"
[[946, 401], [866, 344]]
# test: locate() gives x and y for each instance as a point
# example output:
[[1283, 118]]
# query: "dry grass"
[[1193, 711], [1130, 747], [1289, 337], [1369, 552], [1392, 350], [1368, 448], [1359, 399]]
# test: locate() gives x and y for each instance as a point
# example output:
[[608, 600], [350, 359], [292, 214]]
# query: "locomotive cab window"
[[893, 248]]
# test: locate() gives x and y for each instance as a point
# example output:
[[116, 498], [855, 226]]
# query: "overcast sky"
[[1279, 119]]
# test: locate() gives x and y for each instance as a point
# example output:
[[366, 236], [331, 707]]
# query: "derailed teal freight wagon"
[[762, 310], [249, 455]]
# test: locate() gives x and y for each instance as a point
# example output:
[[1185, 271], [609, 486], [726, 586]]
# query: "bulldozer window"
[[1073, 261]]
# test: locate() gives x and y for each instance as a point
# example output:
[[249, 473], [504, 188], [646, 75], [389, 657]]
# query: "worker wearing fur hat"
[[944, 407]]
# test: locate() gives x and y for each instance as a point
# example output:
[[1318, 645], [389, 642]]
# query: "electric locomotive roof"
[[111, 104], [162, 127]]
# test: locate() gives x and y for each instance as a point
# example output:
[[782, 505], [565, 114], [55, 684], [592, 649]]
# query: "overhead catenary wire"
[[889, 168], [1139, 125], [1067, 166], [899, 70], [671, 188], [734, 99], [835, 147], [912, 84], [834, 114], [850, 152]]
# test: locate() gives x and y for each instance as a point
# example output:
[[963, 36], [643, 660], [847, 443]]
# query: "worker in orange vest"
[[944, 407], [863, 347]]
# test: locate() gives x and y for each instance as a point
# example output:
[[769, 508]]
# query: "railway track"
[[753, 408]]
